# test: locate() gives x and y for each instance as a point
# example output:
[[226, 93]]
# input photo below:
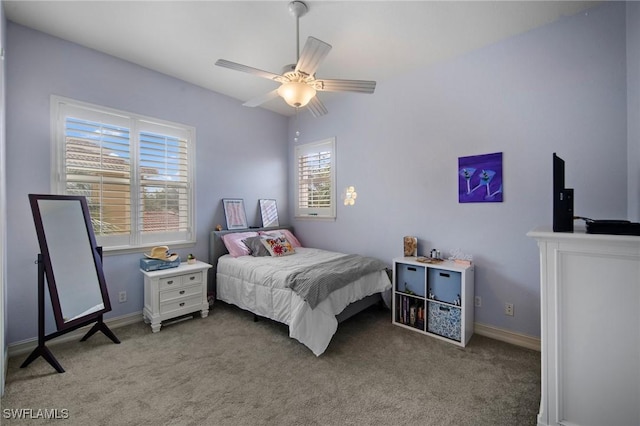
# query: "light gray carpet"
[[228, 370]]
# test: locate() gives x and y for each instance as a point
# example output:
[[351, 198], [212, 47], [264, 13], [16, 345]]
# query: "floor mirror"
[[71, 264]]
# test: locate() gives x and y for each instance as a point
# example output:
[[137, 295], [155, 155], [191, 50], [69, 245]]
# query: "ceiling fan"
[[298, 82]]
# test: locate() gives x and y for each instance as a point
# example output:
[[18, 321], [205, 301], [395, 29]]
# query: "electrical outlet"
[[122, 296], [508, 309], [478, 301]]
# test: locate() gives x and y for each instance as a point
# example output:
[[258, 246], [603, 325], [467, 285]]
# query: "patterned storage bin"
[[444, 320]]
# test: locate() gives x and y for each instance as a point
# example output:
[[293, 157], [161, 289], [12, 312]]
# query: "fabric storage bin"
[[444, 320], [444, 284], [410, 278]]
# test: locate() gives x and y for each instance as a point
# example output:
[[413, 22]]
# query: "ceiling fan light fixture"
[[296, 94], [298, 84]]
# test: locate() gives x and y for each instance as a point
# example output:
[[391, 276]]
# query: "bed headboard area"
[[217, 247]]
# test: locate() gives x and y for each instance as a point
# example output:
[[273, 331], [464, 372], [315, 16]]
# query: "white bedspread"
[[257, 285]]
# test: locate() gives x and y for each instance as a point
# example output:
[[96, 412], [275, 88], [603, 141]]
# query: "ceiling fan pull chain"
[[295, 139]]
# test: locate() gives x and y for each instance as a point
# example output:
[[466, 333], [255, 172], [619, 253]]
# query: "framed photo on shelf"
[[410, 246], [269, 213], [234, 213]]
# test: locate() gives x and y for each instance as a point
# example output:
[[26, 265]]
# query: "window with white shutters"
[[315, 179], [136, 173]]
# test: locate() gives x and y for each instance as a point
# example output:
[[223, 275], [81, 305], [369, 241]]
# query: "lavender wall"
[[4, 324], [633, 108], [560, 88], [241, 152]]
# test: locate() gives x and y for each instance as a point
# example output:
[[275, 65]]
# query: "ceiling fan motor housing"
[[298, 8]]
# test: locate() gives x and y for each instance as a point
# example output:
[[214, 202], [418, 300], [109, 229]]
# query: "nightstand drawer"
[[182, 292], [181, 304], [194, 278], [170, 282]]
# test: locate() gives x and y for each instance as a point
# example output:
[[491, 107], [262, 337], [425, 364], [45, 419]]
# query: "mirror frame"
[[48, 267]]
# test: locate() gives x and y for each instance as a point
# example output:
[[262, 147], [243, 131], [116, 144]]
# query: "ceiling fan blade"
[[239, 67], [316, 107], [259, 100], [360, 86], [312, 54]]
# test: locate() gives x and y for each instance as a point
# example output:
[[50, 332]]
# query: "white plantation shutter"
[[136, 173], [164, 195], [315, 179], [97, 166]]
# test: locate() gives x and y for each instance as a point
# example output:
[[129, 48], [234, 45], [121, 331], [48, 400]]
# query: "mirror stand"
[[41, 349]]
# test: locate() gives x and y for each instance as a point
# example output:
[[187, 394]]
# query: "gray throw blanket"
[[315, 283]]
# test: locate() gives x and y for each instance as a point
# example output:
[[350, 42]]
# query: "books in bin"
[[411, 312], [147, 264]]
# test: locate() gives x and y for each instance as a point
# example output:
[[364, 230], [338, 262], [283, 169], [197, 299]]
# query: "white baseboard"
[[503, 335], [26, 346]]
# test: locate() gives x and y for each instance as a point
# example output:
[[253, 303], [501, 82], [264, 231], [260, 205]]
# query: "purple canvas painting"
[[480, 178]]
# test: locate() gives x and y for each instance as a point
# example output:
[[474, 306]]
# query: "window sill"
[[115, 251], [320, 218]]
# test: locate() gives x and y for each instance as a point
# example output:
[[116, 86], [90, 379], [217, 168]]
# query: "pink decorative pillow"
[[287, 234], [234, 244]]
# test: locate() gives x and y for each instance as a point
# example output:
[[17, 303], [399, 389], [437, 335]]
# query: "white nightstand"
[[170, 293]]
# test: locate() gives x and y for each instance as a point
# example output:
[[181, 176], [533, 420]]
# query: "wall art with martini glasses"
[[480, 179]]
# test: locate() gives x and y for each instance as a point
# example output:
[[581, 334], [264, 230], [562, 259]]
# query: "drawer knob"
[[192, 278], [170, 282], [181, 291], [182, 304]]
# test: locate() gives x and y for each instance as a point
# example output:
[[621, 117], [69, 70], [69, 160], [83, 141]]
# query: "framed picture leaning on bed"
[[234, 213]]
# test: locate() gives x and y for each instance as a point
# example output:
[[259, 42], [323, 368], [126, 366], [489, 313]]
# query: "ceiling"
[[375, 40]]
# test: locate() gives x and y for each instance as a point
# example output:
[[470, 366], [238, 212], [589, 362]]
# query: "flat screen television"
[[562, 199]]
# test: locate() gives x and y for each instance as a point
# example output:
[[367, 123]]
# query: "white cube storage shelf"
[[435, 299]]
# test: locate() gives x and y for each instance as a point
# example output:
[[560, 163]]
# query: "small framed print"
[[269, 213], [234, 213], [410, 246]]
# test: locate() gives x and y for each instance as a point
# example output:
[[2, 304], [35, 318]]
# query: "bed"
[[263, 285]]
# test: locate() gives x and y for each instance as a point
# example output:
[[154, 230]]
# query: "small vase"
[[191, 261]]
